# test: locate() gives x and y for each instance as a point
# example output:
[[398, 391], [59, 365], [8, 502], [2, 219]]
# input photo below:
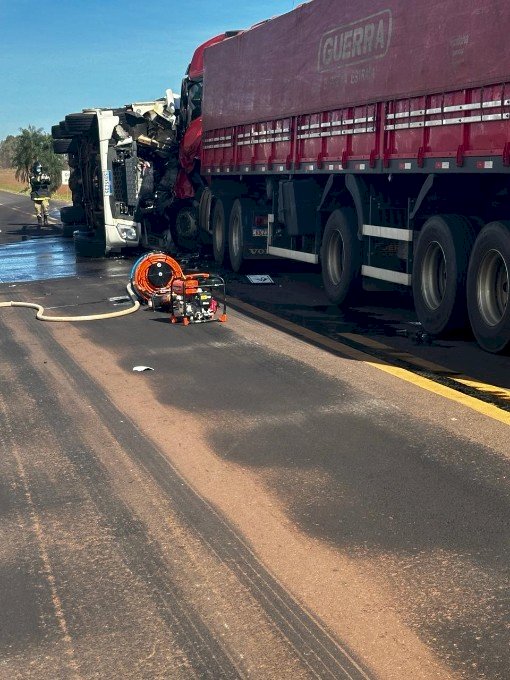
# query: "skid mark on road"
[[320, 653], [43, 551], [203, 652]]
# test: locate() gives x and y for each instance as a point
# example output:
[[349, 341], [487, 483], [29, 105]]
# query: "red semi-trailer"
[[372, 137]]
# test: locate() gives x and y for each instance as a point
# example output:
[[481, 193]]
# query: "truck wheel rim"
[[433, 275], [492, 287], [335, 258]]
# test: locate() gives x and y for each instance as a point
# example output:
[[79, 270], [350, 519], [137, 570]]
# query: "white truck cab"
[[117, 158]]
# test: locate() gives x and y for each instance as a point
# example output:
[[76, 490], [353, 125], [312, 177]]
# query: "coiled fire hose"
[[149, 274], [153, 272], [89, 317]]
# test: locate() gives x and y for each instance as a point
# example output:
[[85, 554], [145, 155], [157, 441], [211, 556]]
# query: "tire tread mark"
[[203, 651], [317, 647]]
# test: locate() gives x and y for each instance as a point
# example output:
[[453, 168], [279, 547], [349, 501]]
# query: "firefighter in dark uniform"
[[40, 193]]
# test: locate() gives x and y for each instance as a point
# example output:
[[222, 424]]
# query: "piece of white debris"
[[259, 278], [142, 368]]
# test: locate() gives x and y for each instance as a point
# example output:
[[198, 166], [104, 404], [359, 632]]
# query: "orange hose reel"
[[158, 279], [153, 272]]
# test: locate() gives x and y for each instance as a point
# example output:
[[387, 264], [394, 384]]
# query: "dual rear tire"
[[228, 231], [488, 281], [79, 123], [61, 146], [461, 279], [440, 273]]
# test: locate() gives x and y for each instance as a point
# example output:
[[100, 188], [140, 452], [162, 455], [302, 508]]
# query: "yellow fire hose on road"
[[89, 317], [189, 295]]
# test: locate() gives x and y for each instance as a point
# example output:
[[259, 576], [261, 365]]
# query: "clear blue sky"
[[59, 56]]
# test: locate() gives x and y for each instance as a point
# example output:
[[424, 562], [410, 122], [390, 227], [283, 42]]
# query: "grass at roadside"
[[8, 182]]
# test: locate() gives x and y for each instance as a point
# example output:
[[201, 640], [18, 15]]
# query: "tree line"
[[20, 151]]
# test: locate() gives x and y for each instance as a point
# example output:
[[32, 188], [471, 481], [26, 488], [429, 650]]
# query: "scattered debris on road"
[[259, 278]]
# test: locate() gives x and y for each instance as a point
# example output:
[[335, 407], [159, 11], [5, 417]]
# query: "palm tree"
[[31, 145], [7, 147]]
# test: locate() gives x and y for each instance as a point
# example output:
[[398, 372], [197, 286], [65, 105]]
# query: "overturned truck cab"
[[124, 167]]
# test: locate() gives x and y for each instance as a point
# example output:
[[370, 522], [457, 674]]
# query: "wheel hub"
[[186, 225], [492, 287], [434, 277]]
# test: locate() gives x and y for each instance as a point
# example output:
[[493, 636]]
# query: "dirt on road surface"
[[254, 507]]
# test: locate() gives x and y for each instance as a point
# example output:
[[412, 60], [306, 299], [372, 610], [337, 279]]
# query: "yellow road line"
[[417, 361], [473, 403], [499, 392]]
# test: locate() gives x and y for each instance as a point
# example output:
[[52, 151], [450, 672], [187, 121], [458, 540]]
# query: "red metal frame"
[[461, 124]]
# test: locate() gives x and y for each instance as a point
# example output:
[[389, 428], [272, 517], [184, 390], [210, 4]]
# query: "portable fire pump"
[[159, 281]]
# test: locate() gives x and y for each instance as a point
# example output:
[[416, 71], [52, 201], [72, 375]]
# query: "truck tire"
[[60, 131], [220, 221], [237, 232], [72, 214], [77, 123], [185, 231], [64, 132], [62, 145], [204, 211], [488, 283], [440, 272], [341, 257], [87, 244]]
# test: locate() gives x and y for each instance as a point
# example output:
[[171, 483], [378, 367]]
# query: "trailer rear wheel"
[[204, 211], [220, 220], [341, 257], [237, 231], [440, 271], [488, 287]]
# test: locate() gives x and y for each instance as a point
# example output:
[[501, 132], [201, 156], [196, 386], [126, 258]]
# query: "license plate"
[[260, 232], [107, 182]]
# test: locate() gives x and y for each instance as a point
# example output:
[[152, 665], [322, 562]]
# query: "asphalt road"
[[257, 506]]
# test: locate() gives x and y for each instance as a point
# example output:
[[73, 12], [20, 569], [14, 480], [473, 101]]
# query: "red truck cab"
[[191, 120]]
